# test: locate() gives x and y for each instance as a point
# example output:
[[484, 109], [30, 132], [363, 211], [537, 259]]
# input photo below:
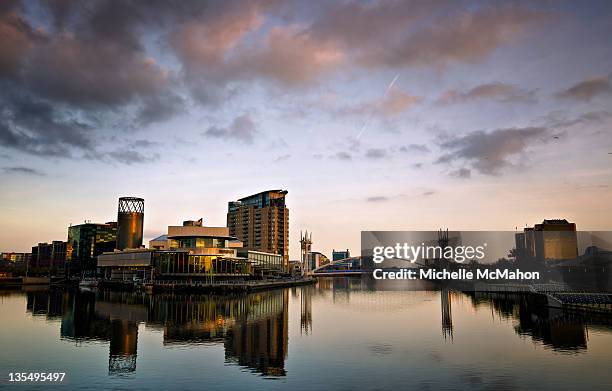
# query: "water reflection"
[[562, 331], [253, 329]]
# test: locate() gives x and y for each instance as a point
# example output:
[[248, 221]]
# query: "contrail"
[[367, 121]]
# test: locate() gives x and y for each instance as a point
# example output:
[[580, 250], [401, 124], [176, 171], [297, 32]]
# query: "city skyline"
[[373, 115]]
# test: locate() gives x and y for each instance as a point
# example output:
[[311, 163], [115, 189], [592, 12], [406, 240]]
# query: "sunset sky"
[[374, 115]]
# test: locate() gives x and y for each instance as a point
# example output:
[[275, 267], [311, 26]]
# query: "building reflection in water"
[[306, 310], [554, 328], [447, 313], [253, 328]]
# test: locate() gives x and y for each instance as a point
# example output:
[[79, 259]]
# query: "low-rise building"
[[191, 251]]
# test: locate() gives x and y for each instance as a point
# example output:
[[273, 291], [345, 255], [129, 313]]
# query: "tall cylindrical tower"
[[130, 221]]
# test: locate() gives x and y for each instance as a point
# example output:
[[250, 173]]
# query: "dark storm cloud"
[[489, 153], [588, 89], [491, 91], [242, 129], [23, 170]]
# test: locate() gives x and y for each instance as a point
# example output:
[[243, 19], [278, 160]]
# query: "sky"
[[374, 115]]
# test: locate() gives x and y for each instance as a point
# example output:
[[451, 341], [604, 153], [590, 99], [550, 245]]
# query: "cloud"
[[242, 129], [392, 103], [463, 173], [130, 156], [23, 170], [36, 126], [414, 148], [489, 153], [377, 199], [282, 158], [376, 153], [492, 91], [587, 89], [342, 155], [457, 36], [136, 64], [558, 119], [428, 193]]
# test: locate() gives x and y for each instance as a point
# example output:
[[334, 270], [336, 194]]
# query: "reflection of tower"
[[306, 314], [447, 314], [306, 243], [123, 345]]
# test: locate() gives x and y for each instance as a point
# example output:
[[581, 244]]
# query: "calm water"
[[341, 334]]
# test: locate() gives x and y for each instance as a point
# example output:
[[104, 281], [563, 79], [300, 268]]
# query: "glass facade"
[[86, 242], [182, 262]]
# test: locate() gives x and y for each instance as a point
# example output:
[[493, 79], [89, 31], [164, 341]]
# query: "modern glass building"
[[340, 254], [191, 251], [85, 243]]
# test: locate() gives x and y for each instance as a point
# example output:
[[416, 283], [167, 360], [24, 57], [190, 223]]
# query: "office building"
[[49, 255], [340, 254], [261, 222], [87, 241], [552, 240]]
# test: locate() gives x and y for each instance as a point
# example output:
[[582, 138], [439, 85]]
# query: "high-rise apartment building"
[[261, 222]]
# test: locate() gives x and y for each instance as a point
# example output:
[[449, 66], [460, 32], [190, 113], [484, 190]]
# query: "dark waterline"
[[343, 333]]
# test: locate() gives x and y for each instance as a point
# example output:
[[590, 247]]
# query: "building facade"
[[263, 264], [261, 222], [316, 260], [190, 251], [86, 242], [552, 240], [340, 254], [49, 255]]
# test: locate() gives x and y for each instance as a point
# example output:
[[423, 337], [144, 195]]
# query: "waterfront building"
[[130, 222], [340, 254], [159, 243], [191, 251], [552, 240], [316, 260], [87, 241], [16, 259], [261, 222], [49, 255], [264, 264]]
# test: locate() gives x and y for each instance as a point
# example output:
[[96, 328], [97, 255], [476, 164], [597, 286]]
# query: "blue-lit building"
[[340, 254]]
